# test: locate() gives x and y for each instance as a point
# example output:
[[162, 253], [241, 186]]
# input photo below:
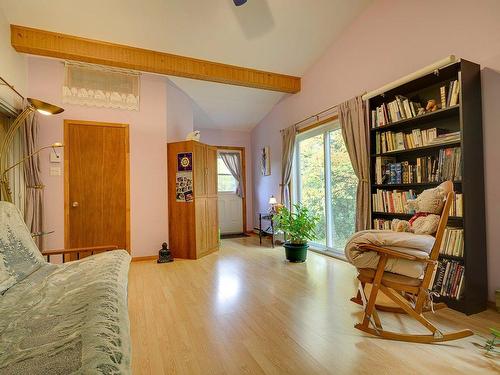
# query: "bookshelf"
[[459, 155]]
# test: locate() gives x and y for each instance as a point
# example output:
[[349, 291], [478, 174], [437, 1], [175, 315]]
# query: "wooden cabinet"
[[193, 225]]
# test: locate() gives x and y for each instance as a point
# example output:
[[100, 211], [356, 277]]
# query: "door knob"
[[75, 204]]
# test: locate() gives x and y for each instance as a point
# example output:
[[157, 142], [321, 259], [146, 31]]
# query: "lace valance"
[[98, 86]]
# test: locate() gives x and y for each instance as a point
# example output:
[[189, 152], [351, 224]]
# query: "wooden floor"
[[244, 310]]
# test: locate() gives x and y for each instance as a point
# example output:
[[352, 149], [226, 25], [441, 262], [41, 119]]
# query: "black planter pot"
[[296, 253]]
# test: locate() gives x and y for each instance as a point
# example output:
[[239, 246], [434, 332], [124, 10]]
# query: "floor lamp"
[[33, 105]]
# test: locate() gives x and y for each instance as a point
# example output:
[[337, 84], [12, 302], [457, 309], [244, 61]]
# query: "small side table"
[[269, 231]]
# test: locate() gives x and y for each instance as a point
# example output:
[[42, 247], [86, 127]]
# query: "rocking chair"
[[409, 294]]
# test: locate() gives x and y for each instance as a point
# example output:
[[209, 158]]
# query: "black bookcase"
[[466, 117]]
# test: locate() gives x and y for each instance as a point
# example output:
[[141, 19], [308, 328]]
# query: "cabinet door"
[[212, 224], [211, 171], [201, 226], [199, 169]]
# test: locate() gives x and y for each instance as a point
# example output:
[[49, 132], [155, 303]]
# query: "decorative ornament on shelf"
[[164, 255], [193, 136]]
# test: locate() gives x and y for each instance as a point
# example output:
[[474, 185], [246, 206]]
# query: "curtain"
[[355, 134], [288, 147], [232, 162], [94, 85], [33, 208]]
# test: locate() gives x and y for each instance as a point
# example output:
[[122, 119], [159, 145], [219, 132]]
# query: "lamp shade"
[[45, 108], [272, 200]]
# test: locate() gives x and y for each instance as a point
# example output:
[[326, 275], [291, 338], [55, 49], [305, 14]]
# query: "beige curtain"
[[34, 188], [288, 147], [355, 134]]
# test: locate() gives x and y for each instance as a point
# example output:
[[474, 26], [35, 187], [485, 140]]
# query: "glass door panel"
[[311, 180]]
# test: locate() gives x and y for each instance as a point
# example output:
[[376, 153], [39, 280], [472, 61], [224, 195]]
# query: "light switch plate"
[[55, 157], [55, 171]]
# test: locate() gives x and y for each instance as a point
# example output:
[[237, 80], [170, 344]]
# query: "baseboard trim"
[[140, 259]]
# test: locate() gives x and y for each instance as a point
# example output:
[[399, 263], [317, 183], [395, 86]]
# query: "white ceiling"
[[284, 36]]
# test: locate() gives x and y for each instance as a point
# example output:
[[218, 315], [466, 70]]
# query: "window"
[[226, 183], [325, 182]]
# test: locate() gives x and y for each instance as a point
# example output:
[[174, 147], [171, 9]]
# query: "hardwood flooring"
[[245, 310]]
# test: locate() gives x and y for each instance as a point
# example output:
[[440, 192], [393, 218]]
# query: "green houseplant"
[[299, 226]]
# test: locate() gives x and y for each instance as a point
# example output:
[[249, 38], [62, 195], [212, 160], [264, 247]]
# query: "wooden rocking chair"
[[409, 294]]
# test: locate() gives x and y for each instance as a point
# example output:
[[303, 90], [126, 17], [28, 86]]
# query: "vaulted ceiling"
[[284, 36]]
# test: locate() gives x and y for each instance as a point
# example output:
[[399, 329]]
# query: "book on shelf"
[[447, 166], [450, 95], [392, 201], [456, 208], [448, 278], [442, 92], [401, 108], [397, 141], [453, 242], [382, 224]]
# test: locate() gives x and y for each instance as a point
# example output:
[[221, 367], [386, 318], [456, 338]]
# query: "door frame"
[[244, 171], [67, 124]]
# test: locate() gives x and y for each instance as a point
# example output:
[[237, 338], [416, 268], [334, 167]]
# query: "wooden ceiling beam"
[[68, 47]]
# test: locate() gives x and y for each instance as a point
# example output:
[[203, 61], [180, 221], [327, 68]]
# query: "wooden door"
[[211, 165], [201, 226], [96, 184], [212, 224], [199, 169]]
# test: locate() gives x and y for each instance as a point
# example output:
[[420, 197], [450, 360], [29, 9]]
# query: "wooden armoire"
[[192, 199]]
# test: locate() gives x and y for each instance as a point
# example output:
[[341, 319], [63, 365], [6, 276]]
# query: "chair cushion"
[[19, 255], [391, 277], [418, 245]]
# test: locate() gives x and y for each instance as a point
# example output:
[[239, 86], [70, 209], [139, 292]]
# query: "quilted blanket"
[[68, 319]]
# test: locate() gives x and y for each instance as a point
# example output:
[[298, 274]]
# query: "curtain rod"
[[410, 77], [317, 116], [5, 83]]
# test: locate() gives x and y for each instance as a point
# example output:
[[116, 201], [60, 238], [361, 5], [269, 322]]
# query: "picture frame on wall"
[[265, 161]]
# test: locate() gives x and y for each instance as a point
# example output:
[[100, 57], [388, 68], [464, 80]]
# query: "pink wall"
[[148, 136], [388, 40], [179, 113], [240, 139]]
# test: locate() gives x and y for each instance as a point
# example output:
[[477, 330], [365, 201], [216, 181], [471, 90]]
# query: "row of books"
[[399, 109], [457, 208], [392, 201], [448, 278], [382, 224], [449, 97], [391, 141], [453, 242], [447, 166]]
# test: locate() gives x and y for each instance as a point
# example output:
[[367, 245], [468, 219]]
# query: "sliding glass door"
[[325, 183]]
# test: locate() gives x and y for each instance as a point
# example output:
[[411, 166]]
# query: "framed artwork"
[[185, 162], [265, 161], [184, 186]]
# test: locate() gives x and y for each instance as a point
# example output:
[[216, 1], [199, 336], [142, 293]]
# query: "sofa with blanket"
[[66, 318]]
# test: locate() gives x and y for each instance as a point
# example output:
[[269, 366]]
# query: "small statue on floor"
[[164, 255]]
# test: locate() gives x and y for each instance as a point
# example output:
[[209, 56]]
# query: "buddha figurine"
[[164, 255]]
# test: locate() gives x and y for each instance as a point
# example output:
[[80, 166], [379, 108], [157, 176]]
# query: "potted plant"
[[299, 226]]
